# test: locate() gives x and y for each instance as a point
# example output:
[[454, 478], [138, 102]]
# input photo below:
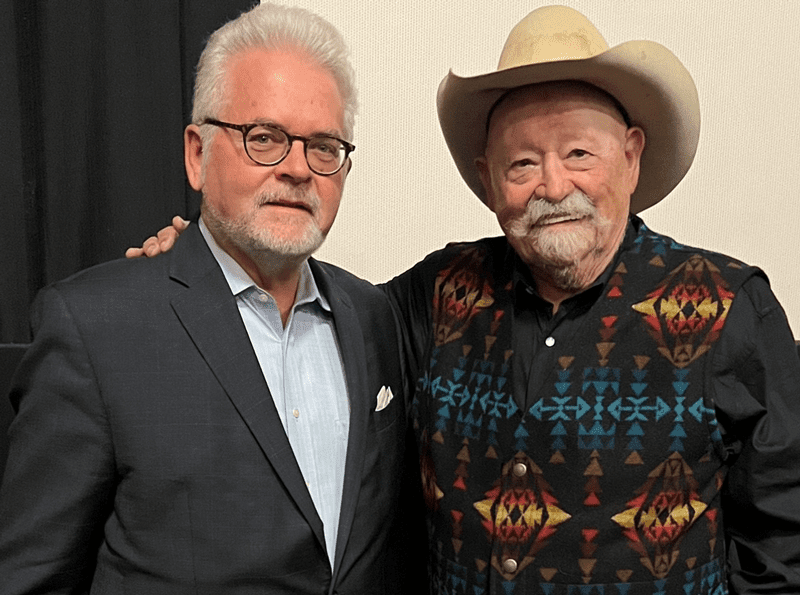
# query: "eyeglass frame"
[[246, 128]]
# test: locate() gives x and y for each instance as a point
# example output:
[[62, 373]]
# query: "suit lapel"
[[209, 313], [351, 346]]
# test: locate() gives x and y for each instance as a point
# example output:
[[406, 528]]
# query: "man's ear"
[[193, 156], [482, 165], [634, 146]]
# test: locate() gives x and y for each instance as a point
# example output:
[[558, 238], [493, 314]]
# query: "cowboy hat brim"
[[647, 79]]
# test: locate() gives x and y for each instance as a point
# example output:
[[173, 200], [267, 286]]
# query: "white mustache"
[[299, 197], [575, 206]]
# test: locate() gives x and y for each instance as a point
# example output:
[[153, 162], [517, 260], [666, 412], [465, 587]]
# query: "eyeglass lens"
[[268, 145]]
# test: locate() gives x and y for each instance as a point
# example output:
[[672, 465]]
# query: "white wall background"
[[404, 197]]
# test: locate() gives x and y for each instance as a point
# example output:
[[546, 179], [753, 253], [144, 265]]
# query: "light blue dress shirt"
[[303, 368]]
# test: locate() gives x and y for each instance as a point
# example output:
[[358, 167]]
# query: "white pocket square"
[[384, 398]]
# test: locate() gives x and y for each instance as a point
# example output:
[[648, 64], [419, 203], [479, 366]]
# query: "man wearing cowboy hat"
[[599, 409]]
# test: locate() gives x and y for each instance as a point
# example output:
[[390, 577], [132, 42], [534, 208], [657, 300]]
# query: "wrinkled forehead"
[[551, 96]]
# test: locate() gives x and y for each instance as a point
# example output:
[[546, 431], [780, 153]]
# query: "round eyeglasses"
[[268, 145]]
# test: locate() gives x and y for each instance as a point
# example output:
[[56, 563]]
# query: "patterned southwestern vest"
[[610, 483]]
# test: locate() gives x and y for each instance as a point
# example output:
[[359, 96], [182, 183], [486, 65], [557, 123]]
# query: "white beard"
[[559, 252], [260, 242]]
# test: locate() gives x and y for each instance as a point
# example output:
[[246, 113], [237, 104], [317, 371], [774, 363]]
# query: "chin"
[[302, 244], [561, 255], [266, 239], [564, 247]]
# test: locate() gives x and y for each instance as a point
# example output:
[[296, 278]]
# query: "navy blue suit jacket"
[[147, 456]]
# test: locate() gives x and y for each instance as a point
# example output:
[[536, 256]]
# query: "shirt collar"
[[239, 281]]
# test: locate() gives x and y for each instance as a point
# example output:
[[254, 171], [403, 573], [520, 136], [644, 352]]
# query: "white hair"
[[272, 27]]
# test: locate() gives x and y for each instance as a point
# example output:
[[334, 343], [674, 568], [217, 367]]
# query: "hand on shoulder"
[[163, 241]]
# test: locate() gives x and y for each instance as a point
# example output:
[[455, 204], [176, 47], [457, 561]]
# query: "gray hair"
[[272, 27]]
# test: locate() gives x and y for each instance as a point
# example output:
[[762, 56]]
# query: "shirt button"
[[262, 297], [510, 566], [296, 413], [520, 469], [549, 341]]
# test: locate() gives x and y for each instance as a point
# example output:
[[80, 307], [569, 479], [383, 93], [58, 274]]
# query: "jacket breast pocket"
[[387, 410]]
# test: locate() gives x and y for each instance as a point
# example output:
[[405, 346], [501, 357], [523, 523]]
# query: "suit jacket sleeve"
[[58, 486], [756, 387]]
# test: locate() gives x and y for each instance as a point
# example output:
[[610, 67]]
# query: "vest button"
[[549, 341], [510, 566], [520, 469]]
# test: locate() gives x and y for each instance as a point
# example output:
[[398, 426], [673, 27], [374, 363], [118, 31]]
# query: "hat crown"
[[549, 34]]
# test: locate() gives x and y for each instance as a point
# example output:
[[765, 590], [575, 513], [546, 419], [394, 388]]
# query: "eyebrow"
[[327, 132]]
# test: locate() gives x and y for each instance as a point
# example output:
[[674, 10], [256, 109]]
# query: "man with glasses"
[[228, 418]]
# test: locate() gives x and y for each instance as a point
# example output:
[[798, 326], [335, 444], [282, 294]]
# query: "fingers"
[[151, 247], [179, 223], [168, 235], [166, 238], [163, 241]]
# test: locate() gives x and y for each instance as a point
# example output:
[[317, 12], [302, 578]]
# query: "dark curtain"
[[94, 98]]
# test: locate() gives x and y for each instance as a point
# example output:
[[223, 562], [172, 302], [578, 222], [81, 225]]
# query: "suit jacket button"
[[510, 566]]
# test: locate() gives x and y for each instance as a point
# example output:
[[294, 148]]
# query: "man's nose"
[[294, 166], [555, 184]]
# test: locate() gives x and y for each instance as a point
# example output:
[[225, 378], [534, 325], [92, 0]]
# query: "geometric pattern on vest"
[[619, 452]]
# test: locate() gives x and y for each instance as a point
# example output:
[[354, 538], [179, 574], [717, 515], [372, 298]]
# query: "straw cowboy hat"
[[557, 43]]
